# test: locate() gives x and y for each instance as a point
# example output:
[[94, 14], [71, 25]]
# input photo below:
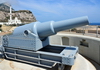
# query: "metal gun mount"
[[30, 43]]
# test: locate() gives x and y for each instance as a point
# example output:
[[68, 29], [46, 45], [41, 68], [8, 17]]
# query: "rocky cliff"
[[25, 16]]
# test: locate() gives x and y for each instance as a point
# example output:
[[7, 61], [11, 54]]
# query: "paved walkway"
[[4, 33]]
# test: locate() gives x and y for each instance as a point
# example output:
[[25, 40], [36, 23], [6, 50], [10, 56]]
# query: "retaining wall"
[[88, 46]]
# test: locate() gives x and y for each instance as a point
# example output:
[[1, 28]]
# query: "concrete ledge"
[[82, 64]]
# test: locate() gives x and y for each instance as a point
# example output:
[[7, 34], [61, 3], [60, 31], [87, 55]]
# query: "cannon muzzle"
[[50, 28]]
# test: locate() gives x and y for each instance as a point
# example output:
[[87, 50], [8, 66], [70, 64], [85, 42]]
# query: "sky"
[[56, 10]]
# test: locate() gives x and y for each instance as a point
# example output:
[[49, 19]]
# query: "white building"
[[1, 23], [16, 21]]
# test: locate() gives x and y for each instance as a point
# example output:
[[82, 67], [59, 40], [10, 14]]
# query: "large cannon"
[[30, 43]]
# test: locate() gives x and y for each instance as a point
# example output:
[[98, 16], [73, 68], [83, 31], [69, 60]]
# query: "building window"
[[84, 43]]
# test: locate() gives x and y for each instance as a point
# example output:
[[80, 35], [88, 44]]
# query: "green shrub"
[[73, 29], [0, 26], [0, 29]]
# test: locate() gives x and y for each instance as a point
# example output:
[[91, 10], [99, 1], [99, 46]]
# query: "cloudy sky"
[[47, 10]]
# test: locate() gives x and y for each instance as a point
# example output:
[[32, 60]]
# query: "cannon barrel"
[[50, 28]]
